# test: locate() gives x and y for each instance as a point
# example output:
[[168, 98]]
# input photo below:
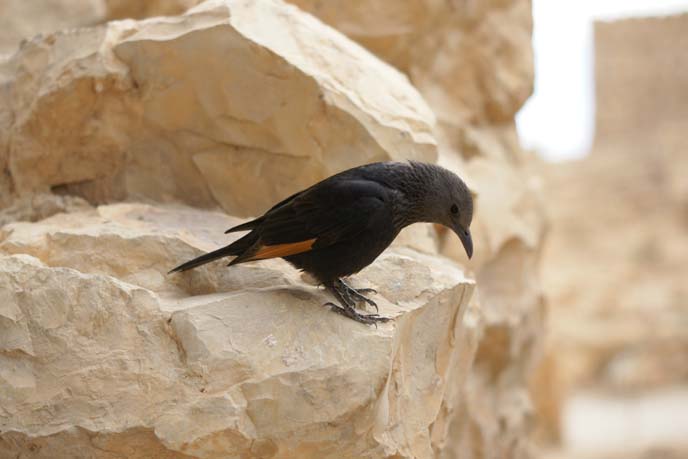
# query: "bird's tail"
[[233, 249]]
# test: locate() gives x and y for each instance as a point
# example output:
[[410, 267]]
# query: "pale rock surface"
[[258, 100], [104, 354], [39, 206], [471, 60], [137, 9], [202, 107], [473, 63], [22, 19]]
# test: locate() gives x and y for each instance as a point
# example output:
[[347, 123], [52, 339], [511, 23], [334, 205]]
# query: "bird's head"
[[452, 207]]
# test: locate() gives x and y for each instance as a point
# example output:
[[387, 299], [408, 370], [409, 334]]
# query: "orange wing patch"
[[282, 250]]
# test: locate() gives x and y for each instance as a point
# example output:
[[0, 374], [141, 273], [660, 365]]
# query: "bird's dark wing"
[[254, 223], [347, 176], [321, 216]]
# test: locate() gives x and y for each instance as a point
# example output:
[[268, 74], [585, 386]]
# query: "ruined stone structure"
[[614, 267]]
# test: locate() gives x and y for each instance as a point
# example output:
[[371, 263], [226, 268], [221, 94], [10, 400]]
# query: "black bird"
[[340, 225]]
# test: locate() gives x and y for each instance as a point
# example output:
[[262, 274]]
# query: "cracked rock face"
[[22, 19], [233, 106], [122, 110], [251, 364], [473, 63]]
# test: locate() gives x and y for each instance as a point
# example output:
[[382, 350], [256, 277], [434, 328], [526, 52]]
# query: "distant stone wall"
[[614, 266], [641, 77]]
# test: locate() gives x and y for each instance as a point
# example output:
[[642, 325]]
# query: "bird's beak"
[[466, 240]]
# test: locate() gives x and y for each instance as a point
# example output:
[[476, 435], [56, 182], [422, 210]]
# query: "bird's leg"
[[358, 293], [372, 291], [346, 308], [351, 295]]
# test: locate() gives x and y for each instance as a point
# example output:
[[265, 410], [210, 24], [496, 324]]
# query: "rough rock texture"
[[39, 206], [472, 61], [137, 9], [622, 232], [21, 19], [235, 105], [98, 345], [122, 111]]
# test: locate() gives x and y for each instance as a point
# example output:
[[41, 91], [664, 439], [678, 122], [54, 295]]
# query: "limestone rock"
[[237, 104], [136, 9], [104, 354], [472, 61], [40, 206], [22, 20], [204, 108]]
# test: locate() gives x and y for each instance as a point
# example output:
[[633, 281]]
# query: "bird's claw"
[[348, 298], [366, 300], [357, 294], [368, 319]]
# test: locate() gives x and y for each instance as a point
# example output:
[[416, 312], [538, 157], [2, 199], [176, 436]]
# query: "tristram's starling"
[[339, 226]]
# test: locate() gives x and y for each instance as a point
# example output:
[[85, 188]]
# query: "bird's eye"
[[454, 209]]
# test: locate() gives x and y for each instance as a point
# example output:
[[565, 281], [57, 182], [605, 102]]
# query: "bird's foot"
[[356, 295], [368, 319], [348, 298]]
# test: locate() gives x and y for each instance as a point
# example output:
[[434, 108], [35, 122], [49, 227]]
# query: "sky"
[[558, 120]]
